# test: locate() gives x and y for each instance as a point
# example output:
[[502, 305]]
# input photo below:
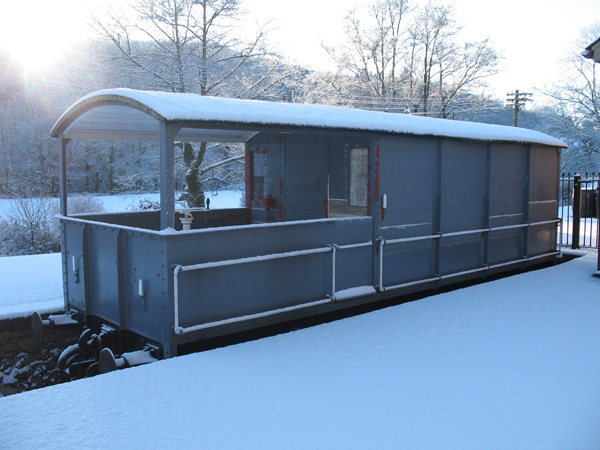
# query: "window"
[[359, 176], [258, 176]]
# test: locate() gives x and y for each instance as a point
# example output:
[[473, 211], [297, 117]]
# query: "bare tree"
[[373, 53], [191, 46], [576, 104], [416, 64]]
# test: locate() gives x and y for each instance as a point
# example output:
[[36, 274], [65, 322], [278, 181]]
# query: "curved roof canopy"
[[125, 114]]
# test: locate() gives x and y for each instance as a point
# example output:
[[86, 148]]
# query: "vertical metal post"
[[576, 210], [333, 250], [598, 218], [167, 177], [62, 188], [486, 205], [584, 207], [526, 201], [437, 206], [62, 174]]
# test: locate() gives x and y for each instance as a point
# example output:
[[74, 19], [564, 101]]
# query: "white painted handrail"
[[178, 329], [383, 242]]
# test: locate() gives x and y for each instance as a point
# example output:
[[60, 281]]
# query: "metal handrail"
[[177, 269], [383, 242]]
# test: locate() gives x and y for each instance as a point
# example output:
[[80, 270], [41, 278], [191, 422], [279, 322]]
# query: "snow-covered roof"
[[126, 114], [592, 51]]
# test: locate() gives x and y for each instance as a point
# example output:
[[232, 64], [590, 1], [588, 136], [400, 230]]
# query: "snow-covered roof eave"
[[592, 51], [140, 112]]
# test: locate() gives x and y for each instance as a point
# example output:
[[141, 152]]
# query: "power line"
[[517, 100]]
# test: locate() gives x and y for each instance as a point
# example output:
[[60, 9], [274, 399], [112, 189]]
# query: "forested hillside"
[[398, 56]]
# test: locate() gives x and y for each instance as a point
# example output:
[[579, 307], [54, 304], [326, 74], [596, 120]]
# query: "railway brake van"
[[343, 207]]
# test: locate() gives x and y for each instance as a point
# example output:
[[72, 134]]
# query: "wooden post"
[[516, 121]]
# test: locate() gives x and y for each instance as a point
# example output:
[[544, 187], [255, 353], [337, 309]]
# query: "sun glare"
[[34, 55], [46, 30]]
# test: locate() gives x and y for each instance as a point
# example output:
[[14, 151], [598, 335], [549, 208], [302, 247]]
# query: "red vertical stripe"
[[281, 205], [249, 183], [376, 175]]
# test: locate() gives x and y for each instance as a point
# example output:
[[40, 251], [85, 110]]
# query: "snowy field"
[[510, 364], [115, 203], [34, 283]]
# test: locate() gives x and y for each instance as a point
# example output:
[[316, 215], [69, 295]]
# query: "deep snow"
[[510, 364]]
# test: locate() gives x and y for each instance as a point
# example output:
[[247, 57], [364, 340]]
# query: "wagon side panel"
[[543, 200], [462, 206], [508, 182]]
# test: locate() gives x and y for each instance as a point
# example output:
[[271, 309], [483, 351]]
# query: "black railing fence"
[[578, 209]]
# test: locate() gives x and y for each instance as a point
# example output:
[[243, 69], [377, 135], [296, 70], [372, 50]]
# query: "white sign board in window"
[[359, 176]]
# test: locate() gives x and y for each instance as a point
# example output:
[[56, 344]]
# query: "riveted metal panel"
[[461, 253], [146, 260], [354, 266], [74, 254], [407, 178], [463, 186], [505, 245], [216, 293], [507, 185], [147, 220], [543, 200], [104, 272], [543, 184], [220, 293], [410, 261]]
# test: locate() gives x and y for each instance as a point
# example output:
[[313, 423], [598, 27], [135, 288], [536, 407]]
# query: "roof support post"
[[167, 177], [62, 174]]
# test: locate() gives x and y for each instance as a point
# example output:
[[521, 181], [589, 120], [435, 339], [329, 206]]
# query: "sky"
[[531, 35]]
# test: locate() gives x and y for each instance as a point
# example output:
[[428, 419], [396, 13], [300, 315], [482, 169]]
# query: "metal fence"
[[578, 209]]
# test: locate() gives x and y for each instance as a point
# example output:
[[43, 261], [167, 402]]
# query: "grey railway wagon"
[[343, 207]]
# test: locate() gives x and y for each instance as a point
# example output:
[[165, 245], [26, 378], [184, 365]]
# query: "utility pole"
[[517, 100]]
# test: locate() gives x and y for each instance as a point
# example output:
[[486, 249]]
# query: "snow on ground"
[[34, 283], [115, 203], [218, 200], [30, 283], [588, 229], [510, 364]]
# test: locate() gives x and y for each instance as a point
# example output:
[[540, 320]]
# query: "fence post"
[[576, 210], [598, 219]]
